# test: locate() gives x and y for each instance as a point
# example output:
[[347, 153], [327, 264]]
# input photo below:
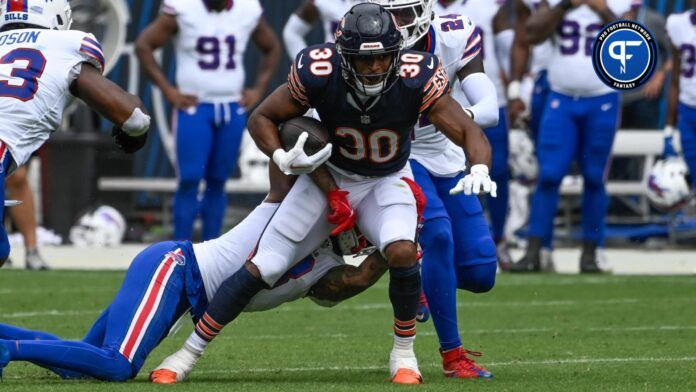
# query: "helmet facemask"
[[365, 83], [412, 16]]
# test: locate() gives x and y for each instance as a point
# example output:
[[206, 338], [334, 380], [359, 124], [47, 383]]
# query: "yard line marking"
[[49, 312], [573, 361]]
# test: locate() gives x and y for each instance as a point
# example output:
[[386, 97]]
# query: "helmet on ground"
[[667, 186], [104, 226]]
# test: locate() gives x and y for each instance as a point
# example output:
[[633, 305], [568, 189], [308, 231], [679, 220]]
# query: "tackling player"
[[580, 120], [369, 94], [168, 279], [44, 67], [210, 38], [458, 251]]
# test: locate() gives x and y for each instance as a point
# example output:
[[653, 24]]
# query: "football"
[[291, 130]]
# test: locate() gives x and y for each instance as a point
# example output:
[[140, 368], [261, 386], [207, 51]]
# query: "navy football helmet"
[[369, 30]]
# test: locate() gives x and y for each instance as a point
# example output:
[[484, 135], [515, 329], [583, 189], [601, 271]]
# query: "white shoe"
[[546, 260], [403, 367], [175, 368]]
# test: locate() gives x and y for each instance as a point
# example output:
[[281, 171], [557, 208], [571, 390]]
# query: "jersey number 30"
[[27, 67], [380, 146]]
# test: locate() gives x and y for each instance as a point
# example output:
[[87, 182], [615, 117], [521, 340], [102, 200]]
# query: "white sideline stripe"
[[433, 365], [49, 312]]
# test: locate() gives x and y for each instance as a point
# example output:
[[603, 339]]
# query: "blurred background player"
[[579, 122], [58, 65], [681, 111], [209, 100], [458, 251], [300, 23], [483, 14]]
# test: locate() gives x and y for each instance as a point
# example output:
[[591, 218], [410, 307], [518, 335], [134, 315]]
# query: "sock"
[[404, 294], [196, 344], [406, 344]]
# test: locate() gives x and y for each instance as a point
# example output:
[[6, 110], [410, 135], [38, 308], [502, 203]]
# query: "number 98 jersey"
[[37, 67], [572, 52], [371, 136], [210, 47]]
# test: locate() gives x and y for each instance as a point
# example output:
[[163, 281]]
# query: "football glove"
[[129, 144], [296, 161], [476, 180], [341, 213]]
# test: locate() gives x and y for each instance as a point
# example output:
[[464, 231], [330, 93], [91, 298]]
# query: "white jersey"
[[481, 12], [455, 48], [330, 13], [210, 47], [218, 259], [572, 50], [541, 53], [681, 29], [36, 71]]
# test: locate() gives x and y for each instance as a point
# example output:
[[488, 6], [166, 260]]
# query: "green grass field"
[[538, 333]]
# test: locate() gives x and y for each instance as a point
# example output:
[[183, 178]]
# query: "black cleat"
[[588, 259], [531, 262]]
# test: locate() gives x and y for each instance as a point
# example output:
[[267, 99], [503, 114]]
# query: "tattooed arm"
[[346, 281]]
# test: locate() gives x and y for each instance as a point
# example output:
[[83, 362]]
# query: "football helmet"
[[369, 30], [667, 186], [54, 14], [104, 226], [412, 16], [522, 160]]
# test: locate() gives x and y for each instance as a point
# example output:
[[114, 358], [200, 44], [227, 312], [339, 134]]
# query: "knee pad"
[[436, 233], [119, 369], [478, 278], [481, 249]]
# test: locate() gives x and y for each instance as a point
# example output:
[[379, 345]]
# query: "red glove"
[[342, 214], [418, 194]]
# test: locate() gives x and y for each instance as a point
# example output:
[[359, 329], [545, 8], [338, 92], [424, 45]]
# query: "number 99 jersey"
[[210, 47], [682, 32], [37, 67], [572, 52], [371, 136]]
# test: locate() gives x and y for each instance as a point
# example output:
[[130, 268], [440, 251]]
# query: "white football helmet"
[[412, 16], [54, 14], [104, 226], [667, 187], [522, 160]]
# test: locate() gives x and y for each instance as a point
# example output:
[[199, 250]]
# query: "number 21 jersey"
[[36, 69]]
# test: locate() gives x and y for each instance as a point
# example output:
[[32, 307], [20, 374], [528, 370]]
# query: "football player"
[[369, 94], [44, 67], [681, 109], [168, 279], [580, 120], [210, 39], [300, 22], [458, 251]]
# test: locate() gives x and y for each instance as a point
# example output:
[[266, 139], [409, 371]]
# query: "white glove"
[[296, 161], [473, 182]]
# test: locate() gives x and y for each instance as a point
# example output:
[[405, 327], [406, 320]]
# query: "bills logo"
[[15, 16]]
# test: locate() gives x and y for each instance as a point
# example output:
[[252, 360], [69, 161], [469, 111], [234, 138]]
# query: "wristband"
[[513, 90], [137, 124]]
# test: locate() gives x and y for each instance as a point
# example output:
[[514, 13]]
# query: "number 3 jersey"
[[681, 29], [371, 136], [570, 69], [36, 69], [210, 47]]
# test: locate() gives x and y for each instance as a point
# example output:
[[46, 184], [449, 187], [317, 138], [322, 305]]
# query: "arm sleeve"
[[293, 35], [481, 92]]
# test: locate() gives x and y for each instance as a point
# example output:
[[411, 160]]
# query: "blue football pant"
[[538, 103], [6, 161], [151, 299], [582, 129], [687, 131], [500, 173], [458, 251], [207, 147]]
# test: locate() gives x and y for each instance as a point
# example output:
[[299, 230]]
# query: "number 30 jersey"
[[36, 69], [570, 69], [210, 47], [681, 29], [371, 136]]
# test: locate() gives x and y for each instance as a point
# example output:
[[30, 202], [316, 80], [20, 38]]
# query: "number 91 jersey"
[[37, 67], [371, 136], [572, 52], [681, 29], [210, 47]]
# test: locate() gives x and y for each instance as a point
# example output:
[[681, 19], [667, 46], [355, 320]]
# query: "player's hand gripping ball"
[[305, 146]]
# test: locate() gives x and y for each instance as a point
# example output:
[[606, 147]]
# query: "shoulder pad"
[[459, 37], [312, 70]]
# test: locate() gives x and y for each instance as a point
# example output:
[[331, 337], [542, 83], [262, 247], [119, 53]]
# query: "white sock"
[[405, 344], [195, 344]]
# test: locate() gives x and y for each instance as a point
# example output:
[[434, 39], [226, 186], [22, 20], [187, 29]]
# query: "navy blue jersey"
[[370, 137]]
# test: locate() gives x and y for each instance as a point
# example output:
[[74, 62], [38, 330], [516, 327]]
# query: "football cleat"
[[547, 263], [175, 368], [457, 364], [503, 254], [423, 314], [403, 367], [531, 261], [592, 260], [34, 261]]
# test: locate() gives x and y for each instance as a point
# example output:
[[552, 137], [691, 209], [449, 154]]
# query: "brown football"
[[291, 130]]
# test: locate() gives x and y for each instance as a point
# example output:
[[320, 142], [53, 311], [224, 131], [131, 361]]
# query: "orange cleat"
[[163, 376], [407, 377], [457, 364]]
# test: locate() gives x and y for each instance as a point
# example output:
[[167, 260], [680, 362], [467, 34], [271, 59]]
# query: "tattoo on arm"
[[346, 281]]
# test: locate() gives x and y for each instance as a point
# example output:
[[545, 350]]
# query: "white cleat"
[[546, 260], [403, 367], [175, 368]]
